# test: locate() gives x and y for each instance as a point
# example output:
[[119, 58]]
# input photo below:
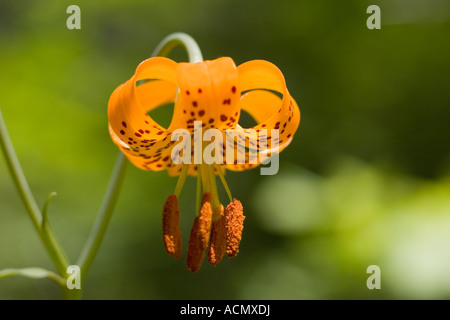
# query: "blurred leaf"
[[34, 273]]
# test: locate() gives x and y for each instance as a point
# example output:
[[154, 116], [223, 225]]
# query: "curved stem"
[[179, 38], [98, 231], [51, 244]]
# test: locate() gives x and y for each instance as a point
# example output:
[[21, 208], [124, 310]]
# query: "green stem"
[[51, 244], [179, 39], [98, 231]]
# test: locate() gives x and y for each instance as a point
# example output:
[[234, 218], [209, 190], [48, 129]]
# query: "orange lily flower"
[[213, 92]]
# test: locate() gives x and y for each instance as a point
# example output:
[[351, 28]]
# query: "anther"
[[199, 238], [234, 223], [218, 241], [171, 227]]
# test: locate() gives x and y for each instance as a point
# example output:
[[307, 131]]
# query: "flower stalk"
[[95, 238]]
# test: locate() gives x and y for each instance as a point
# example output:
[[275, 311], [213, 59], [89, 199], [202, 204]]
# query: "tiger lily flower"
[[206, 95]]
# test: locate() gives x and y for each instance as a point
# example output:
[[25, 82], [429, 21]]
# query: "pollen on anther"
[[235, 224], [171, 228], [199, 238], [218, 241]]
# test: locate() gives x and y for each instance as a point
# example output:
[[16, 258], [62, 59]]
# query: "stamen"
[[199, 239], [234, 223], [181, 180], [213, 184], [171, 227], [225, 185], [218, 241], [204, 176], [199, 191]]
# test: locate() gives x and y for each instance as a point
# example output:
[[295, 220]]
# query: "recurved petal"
[[267, 99], [146, 143]]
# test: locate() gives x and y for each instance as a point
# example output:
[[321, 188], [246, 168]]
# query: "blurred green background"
[[366, 180]]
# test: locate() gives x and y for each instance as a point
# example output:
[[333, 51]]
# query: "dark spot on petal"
[[124, 124], [201, 113], [223, 117]]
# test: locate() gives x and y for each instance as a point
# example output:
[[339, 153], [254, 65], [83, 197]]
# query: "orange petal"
[[146, 143], [260, 79], [209, 92]]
